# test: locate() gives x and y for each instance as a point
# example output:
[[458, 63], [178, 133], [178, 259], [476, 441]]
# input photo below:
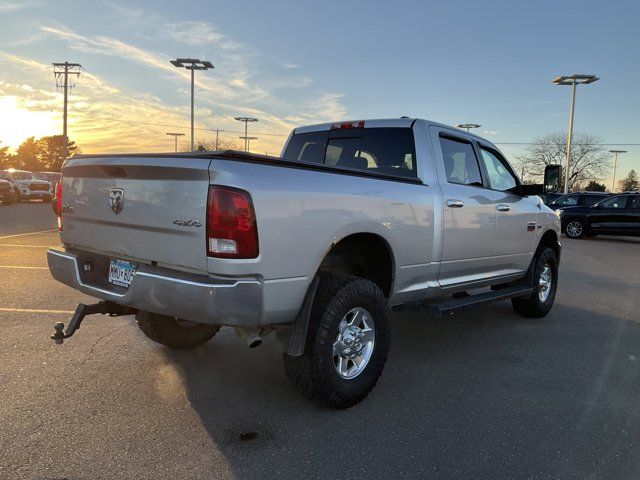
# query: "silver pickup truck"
[[317, 245]]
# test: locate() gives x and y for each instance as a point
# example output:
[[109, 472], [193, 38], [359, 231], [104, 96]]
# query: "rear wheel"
[[574, 228], [544, 278], [174, 332], [347, 342]]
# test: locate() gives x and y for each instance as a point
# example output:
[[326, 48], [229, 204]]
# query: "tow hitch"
[[104, 308]]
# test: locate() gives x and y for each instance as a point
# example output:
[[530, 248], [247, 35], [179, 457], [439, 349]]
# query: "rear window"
[[389, 151]]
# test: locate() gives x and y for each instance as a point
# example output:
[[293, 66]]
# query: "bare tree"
[[589, 160], [206, 146]]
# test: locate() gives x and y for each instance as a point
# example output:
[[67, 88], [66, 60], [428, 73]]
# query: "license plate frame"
[[121, 272]]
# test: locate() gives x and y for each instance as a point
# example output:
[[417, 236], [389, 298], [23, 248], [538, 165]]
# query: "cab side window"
[[500, 178], [460, 162]]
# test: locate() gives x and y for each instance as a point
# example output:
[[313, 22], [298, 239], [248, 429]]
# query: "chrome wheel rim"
[[574, 229], [354, 343], [544, 283]]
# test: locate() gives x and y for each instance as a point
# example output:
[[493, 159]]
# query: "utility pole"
[[192, 64], [246, 121], [615, 165], [217, 130], [175, 137], [62, 71]]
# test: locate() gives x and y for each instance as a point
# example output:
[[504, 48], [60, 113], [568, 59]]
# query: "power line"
[[182, 126], [286, 134]]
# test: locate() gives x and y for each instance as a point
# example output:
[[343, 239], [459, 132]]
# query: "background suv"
[[614, 215]]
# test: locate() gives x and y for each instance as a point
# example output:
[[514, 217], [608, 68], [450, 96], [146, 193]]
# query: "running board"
[[449, 307]]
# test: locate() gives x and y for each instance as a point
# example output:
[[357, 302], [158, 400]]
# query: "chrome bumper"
[[198, 298]]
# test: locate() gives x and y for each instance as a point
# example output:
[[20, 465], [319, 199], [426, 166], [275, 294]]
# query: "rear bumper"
[[198, 298]]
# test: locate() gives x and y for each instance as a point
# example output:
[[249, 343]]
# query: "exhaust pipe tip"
[[254, 341]]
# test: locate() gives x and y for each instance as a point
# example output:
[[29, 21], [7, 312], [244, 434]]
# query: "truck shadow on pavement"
[[484, 394]]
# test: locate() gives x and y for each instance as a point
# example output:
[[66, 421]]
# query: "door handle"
[[502, 207], [455, 203]]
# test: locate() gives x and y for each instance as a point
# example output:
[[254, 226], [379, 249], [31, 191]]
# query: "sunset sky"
[[293, 62]]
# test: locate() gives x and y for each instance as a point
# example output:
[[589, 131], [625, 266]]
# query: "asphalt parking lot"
[[484, 394]]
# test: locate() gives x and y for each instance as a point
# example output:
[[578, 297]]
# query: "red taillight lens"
[[59, 203], [231, 224]]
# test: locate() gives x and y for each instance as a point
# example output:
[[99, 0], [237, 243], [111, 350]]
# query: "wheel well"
[[550, 239], [364, 254]]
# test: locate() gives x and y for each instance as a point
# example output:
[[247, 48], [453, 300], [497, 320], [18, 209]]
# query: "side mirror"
[[528, 190], [552, 178]]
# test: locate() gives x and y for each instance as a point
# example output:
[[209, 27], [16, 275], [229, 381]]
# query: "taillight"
[[59, 203], [231, 224]]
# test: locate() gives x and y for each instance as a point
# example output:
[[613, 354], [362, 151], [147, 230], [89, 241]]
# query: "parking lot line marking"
[[30, 233], [32, 310], [23, 267], [27, 246]]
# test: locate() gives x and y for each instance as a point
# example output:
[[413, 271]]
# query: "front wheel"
[[574, 228], [544, 278], [347, 342], [174, 332]]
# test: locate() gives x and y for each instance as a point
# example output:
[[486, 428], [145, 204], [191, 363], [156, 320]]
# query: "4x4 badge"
[[116, 199]]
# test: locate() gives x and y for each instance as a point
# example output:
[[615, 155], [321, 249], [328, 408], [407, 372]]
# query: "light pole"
[[615, 165], [246, 121], [247, 140], [573, 80], [175, 137], [192, 64], [468, 126]]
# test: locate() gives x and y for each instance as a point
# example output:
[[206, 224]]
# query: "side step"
[[449, 307]]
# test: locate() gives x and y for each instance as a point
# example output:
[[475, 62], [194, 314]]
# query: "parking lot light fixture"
[[615, 165], [192, 64], [175, 136], [573, 81], [468, 126]]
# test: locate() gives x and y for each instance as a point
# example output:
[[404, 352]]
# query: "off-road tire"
[[532, 306], [313, 374], [175, 333]]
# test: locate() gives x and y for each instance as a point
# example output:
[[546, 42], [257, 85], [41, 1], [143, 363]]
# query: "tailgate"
[[146, 208]]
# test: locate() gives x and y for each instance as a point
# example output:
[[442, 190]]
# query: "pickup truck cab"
[[354, 218]]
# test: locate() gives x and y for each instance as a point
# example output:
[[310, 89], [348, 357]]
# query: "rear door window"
[[614, 202], [460, 162], [390, 151]]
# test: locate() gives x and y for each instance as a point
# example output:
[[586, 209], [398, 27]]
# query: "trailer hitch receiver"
[[103, 307]]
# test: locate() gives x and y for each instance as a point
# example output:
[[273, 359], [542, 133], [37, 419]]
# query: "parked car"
[[316, 245], [26, 186], [7, 193], [51, 177], [577, 199], [615, 215]]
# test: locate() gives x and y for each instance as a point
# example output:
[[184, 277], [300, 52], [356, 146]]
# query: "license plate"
[[121, 273]]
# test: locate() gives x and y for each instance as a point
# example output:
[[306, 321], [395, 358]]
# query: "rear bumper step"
[[449, 307]]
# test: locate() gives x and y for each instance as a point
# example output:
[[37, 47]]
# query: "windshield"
[[22, 176], [389, 151]]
